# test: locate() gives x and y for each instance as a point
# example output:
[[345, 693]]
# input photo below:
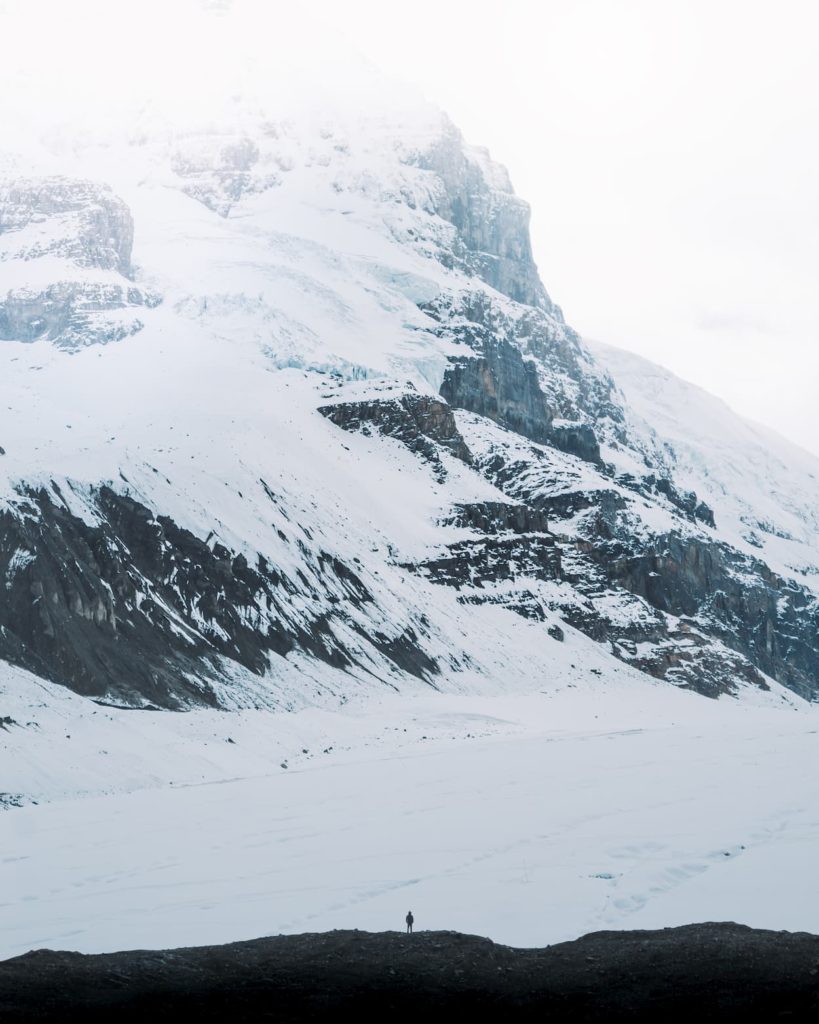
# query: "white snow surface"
[[596, 799]]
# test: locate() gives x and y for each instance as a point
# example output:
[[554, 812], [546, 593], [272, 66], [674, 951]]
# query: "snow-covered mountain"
[[289, 416]]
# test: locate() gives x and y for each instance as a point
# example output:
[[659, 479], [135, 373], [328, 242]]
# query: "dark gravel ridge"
[[704, 972]]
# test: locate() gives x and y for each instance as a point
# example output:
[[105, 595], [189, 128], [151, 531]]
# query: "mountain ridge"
[[322, 323]]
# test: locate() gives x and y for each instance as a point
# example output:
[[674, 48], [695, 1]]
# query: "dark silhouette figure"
[[410, 921]]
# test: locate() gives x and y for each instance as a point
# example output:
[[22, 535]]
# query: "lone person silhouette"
[[410, 921]]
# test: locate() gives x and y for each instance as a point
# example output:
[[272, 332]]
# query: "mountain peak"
[[287, 400]]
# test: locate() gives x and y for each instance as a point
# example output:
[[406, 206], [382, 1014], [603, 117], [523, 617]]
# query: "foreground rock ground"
[[724, 972]]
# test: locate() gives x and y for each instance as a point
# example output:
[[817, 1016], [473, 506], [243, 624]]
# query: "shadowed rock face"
[[492, 224], [764, 623], [502, 387], [771, 621], [574, 388], [487, 560], [523, 369], [497, 517], [136, 609], [415, 420], [708, 972]]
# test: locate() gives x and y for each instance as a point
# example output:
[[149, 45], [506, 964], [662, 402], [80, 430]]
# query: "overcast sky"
[[669, 150]]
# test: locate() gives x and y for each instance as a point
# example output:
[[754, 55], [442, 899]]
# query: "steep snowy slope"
[[763, 487], [288, 414]]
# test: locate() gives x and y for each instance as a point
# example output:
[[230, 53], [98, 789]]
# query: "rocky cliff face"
[[492, 223], [418, 421], [773, 622], [75, 220], [356, 428], [136, 609], [67, 244]]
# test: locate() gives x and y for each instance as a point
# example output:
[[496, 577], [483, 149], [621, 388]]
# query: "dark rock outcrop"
[[420, 422], [492, 223], [136, 609], [497, 517], [511, 540], [502, 386], [574, 390], [476, 563], [497, 380], [576, 439], [703, 972], [733, 619], [685, 502], [771, 621]]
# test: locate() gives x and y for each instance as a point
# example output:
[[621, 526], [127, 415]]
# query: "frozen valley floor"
[[533, 819]]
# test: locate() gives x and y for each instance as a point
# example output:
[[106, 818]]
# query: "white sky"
[[669, 149]]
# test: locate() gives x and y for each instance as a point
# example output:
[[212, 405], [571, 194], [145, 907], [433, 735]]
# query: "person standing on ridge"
[[410, 921]]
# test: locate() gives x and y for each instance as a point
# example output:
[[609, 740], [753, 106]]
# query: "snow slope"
[[763, 488], [279, 266], [592, 802]]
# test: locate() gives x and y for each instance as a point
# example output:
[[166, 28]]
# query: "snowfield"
[[596, 801]]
